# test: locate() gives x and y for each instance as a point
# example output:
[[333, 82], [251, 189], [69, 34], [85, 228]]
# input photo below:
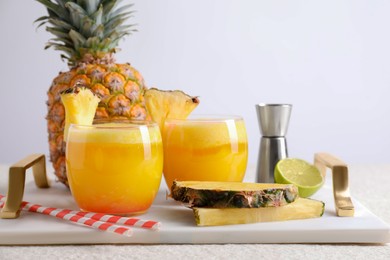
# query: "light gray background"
[[330, 59]]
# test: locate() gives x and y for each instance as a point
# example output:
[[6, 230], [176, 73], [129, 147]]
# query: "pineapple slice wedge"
[[233, 194], [302, 208], [80, 107], [166, 104]]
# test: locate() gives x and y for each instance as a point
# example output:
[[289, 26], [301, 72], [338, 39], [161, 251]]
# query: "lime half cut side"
[[304, 175]]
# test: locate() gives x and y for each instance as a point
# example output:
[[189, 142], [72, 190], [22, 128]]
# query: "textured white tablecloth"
[[370, 184]]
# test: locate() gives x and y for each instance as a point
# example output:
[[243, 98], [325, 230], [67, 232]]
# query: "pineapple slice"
[[233, 194], [80, 107], [302, 208], [168, 104]]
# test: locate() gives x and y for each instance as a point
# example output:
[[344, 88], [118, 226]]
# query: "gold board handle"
[[342, 197], [16, 181]]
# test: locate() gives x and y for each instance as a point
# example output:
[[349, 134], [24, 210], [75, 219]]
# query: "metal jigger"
[[273, 121]]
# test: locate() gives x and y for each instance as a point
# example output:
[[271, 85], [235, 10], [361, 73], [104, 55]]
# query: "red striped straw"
[[136, 222], [95, 220]]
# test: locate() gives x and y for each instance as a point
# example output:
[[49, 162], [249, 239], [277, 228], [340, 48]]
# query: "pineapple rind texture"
[[302, 208], [119, 99], [233, 194]]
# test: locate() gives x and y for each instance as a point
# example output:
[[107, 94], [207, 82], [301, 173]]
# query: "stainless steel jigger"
[[273, 121]]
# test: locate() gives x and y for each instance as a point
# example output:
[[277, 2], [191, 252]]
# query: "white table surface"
[[368, 183]]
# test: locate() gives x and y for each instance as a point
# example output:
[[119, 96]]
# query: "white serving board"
[[178, 225]]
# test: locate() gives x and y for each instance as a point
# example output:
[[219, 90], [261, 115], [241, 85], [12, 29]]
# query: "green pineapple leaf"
[[90, 6], [53, 8], [74, 22]]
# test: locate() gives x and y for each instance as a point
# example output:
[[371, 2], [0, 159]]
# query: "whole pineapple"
[[88, 32]]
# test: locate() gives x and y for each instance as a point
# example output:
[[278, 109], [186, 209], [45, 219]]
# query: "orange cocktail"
[[205, 149], [114, 168]]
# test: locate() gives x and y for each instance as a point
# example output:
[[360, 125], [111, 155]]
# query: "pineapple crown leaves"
[[90, 28]]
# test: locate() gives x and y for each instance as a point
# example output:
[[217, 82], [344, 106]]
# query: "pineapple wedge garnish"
[[302, 208], [80, 107], [168, 104], [233, 194]]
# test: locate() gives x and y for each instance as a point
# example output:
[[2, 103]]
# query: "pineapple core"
[[80, 107]]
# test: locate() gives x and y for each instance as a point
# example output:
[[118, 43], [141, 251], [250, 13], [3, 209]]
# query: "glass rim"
[[116, 124], [207, 118]]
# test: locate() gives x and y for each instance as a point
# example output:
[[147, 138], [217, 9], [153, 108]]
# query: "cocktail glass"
[[205, 148], [114, 167]]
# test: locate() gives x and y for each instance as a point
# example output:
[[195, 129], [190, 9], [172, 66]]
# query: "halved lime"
[[304, 175]]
